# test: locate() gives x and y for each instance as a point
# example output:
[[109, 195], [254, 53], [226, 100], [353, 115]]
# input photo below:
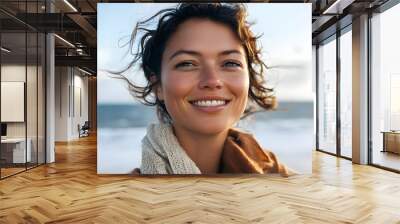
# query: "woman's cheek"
[[240, 85], [177, 86], [240, 88]]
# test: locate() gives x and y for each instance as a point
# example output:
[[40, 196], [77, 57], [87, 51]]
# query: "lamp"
[[5, 50], [70, 5], [84, 71], [64, 40]]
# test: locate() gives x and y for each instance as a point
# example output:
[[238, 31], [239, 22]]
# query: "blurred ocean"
[[288, 132]]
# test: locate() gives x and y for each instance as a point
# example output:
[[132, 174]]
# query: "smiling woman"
[[203, 72]]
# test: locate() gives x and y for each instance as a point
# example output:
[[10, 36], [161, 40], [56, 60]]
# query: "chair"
[[84, 130]]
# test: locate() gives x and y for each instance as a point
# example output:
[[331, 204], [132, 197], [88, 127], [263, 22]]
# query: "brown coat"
[[243, 154]]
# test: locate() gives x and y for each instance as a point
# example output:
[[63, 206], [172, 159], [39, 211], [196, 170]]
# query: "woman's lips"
[[210, 106]]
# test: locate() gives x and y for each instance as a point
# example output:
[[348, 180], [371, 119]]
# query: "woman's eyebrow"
[[194, 53], [230, 52]]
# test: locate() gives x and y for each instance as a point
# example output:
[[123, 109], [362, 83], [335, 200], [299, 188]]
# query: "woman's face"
[[204, 77]]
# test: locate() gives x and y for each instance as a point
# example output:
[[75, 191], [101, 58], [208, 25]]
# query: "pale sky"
[[286, 43]]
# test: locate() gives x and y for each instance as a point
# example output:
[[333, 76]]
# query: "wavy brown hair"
[[153, 42]]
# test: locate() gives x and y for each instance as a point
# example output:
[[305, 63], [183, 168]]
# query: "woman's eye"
[[185, 64], [232, 64]]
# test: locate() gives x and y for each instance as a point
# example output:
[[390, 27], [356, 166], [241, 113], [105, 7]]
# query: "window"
[[385, 84], [346, 93], [327, 96]]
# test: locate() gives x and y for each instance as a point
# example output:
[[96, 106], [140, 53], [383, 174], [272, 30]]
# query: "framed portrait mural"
[[205, 88]]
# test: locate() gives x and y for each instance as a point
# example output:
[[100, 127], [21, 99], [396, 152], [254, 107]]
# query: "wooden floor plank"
[[70, 191]]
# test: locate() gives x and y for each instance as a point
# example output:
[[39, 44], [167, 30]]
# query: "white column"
[[50, 92], [360, 90], [50, 99], [314, 90]]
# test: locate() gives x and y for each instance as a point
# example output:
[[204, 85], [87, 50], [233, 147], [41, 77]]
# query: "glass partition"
[[13, 105], [22, 87]]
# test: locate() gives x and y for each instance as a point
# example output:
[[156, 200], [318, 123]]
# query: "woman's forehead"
[[203, 36]]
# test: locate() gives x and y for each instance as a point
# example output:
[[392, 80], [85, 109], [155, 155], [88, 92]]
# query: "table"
[[19, 155], [391, 141]]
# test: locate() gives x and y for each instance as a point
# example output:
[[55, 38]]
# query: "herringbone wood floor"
[[70, 191]]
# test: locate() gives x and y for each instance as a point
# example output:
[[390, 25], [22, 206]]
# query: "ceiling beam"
[[86, 26], [337, 6], [83, 61]]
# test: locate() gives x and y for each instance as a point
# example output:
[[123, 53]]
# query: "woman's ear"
[[159, 92], [157, 88]]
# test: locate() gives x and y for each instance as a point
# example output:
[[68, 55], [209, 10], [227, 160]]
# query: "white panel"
[[77, 113], [12, 101]]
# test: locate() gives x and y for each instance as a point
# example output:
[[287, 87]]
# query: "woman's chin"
[[207, 126], [211, 129]]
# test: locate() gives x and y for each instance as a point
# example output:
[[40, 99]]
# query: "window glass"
[[346, 94], [327, 96], [385, 114]]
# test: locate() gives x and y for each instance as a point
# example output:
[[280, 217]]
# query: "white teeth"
[[209, 103]]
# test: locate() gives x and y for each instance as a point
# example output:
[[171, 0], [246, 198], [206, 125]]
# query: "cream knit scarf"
[[162, 153]]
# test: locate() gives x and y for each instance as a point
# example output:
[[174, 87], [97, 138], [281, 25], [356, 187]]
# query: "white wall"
[[33, 126], [70, 84], [62, 82], [80, 89], [12, 73]]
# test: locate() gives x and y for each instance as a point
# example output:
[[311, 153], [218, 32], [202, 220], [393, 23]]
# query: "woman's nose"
[[210, 79]]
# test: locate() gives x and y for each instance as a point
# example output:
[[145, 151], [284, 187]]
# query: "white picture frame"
[[12, 101]]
